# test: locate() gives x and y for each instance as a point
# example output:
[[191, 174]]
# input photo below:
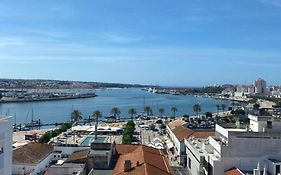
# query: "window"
[[269, 124], [189, 163]]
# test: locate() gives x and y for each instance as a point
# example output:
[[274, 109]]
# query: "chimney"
[[127, 165]]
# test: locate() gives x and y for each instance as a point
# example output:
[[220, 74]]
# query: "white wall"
[[35, 168], [6, 143], [67, 150], [179, 146], [194, 156]]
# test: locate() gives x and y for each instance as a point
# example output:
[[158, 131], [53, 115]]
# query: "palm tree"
[[223, 106], [218, 109], [116, 112], [161, 111], [174, 110], [147, 110], [76, 115], [96, 115], [197, 109], [132, 112]]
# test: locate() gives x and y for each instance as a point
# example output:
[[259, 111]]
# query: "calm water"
[[59, 111]]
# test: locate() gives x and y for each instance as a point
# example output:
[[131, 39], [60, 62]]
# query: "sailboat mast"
[[32, 115]]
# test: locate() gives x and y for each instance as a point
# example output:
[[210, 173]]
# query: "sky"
[[167, 42]]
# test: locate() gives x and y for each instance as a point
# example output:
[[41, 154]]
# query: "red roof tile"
[[233, 171], [151, 161], [182, 132]]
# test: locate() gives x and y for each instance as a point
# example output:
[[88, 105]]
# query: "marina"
[[59, 111]]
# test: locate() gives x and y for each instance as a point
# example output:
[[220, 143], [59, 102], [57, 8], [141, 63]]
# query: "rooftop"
[[144, 160], [176, 123], [78, 155], [182, 132], [233, 171], [31, 153]]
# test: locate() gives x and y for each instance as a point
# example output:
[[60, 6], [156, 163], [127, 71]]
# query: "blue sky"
[[179, 42]]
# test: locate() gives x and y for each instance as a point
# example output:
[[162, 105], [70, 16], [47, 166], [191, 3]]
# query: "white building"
[[33, 158], [239, 150], [177, 132], [6, 148]]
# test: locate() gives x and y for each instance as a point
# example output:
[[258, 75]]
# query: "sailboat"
[[33, 123]]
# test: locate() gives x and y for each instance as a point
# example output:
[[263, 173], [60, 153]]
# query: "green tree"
[[147, 110], [96, 116], [132, 112], [174, 110], [162, 126], [128, 133], [76, 115], [50, 134], [116, 112], [161, 111], [197, 109]]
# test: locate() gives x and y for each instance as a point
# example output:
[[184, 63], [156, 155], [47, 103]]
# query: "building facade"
[[260, 86], [6, 135], [250, 151]]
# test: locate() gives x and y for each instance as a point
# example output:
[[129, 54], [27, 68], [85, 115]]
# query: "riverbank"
[[48, 99]]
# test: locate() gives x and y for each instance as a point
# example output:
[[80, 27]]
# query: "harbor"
[[106, 99]]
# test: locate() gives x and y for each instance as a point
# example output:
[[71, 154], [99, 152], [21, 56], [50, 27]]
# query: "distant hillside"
[[59, 84]]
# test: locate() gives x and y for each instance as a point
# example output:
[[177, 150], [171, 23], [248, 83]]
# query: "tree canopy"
[[76, 115], [197, 108], [116, 112]]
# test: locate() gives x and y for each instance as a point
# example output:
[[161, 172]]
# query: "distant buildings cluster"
[[259, 87]]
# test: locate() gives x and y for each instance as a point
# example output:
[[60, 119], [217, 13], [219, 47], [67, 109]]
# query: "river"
[[59, 111]]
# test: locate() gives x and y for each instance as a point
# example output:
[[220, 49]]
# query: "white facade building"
[[35, 162], [6, 145], [177, 132], [241, 149]]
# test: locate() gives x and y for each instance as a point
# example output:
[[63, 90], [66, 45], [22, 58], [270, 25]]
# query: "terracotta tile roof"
[[31, 153], [78, 156], [176, 123], [125, 149], [151, 161], [182, 132], [203, 134], [233, 171]]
